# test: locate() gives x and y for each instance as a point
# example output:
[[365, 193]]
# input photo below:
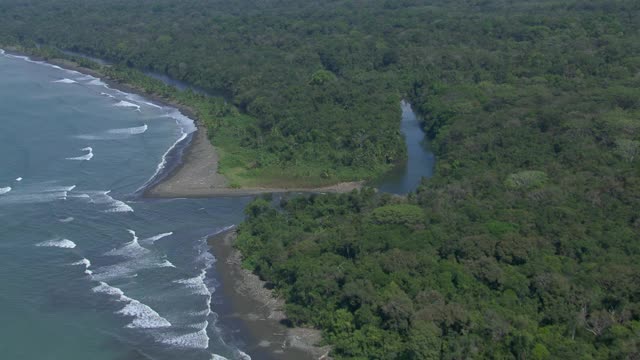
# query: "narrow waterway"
[[168, 80], [420, 162]]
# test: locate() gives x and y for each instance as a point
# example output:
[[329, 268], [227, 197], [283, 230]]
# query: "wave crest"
[[65, 81], [59, 243], [86, 157], [130, 131]]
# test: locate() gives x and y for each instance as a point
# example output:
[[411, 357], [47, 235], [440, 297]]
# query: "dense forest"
[[526, 242]]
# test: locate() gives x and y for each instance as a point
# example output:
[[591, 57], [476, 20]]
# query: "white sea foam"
[[86, 77], [60, 243], [198, 326], [131, 249], [19, 179], [107, 289], [145, 317], [242, 355], [194, 340], [65, 81], [130, 131], [25, 58], [86, 264], [187, 126], [1, 52], [67, 219], [224, 229], [205, 312], [39, 197], [152, 104], [196, 284], [155, 238], [5, 190], [166, 263], [118, 271], [103, 198], [138, 258], [34, 193], [123, 103], [96, 82], [109, 95], [116, 134], [88, 156], [218, 357]]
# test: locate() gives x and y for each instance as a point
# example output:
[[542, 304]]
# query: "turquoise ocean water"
[[88, 270]]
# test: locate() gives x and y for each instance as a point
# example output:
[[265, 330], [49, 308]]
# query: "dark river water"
[[420, 162], [88, 270]]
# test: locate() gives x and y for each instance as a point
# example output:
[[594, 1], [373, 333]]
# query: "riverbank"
[[258, 311]]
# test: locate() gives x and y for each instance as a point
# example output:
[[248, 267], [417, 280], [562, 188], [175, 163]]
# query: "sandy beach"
[[248, 309], [254, 310], [197, 175], [194, 168]]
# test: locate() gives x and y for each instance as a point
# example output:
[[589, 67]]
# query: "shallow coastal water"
[[91, 270], [420, 160], [88, 269]]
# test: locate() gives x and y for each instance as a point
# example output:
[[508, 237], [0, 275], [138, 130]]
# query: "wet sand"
[[197, 175], [253, 311], [249, 313]]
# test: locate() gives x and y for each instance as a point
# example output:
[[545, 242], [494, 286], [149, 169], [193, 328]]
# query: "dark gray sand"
[[257, 311], [197, 176]]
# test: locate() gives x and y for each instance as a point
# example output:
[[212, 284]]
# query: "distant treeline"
[[526, 242]]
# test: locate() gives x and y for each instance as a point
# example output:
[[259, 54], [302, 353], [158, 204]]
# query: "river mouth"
[[420, 163]]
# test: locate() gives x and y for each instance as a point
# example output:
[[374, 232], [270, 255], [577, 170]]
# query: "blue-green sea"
[[88, 269]]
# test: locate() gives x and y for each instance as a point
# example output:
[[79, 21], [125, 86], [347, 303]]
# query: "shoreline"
[[192, 169], [254, 310], [252, 307]]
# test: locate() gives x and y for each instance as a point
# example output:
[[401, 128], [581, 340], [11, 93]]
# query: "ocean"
[[88, 268]]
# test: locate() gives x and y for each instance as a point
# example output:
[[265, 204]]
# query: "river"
[[89, 269], [420, 163]]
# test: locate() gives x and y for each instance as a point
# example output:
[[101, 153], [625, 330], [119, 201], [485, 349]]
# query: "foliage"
[[525, 244]]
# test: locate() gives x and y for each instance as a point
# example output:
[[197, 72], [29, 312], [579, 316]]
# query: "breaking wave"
[[131, 249], [123, 103], [88, 156], [144, 316], [96, 82], [194, 340], [65, 81], [155, 238], [103, 198], [187, 126], [130, 131], [196, 284], [59, 243], [86, 264], [32, 194]]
